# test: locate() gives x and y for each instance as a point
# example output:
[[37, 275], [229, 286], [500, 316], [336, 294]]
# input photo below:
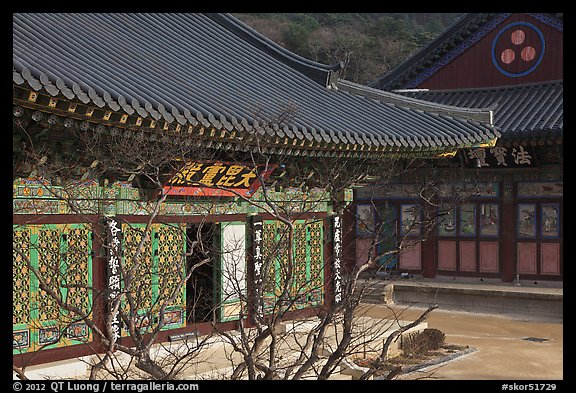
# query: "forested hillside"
[[369, 44]]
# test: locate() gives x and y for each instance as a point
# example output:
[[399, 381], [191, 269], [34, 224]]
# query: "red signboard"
[[217, 179]]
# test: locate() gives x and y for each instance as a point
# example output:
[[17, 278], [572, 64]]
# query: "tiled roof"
[[530, 111], [211, 70]]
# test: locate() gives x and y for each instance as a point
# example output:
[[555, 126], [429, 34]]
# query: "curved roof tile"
[[213, 70], [534, 110]]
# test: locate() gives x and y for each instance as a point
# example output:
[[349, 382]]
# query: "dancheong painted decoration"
[[518, 49], [205, 233]]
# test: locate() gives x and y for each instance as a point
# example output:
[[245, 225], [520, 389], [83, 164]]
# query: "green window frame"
[[308, 253], [157, 273], [62, 253]]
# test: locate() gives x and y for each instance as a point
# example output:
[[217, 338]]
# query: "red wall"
[[475, 67]]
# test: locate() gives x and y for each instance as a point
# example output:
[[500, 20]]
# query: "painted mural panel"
[[540, 189], [411, 220], [365, 220], [447, 222], [489, 220], [388, 236], [550, 220], [467, 220], [527, 220]]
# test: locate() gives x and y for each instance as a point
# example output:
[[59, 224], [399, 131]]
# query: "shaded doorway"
[[200, 285]]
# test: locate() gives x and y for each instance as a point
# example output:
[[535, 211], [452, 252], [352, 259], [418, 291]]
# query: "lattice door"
[[315, 238], [307, 284], [61, 254], [169, 243], [270, 267], [301, 251], [161, 268], [137, 278], [21, 290]]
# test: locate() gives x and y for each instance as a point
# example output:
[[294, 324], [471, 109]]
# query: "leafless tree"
[[296, 331], [98, 154]]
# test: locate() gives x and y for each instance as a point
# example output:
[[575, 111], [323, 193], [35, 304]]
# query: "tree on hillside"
[[369, 44]]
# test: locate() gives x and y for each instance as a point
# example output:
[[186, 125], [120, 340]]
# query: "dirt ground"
[[507, 348]]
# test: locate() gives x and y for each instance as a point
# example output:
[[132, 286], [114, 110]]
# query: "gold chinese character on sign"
[[229, 178], [210, 172], [186, 174], [478, 154], [246, 177]]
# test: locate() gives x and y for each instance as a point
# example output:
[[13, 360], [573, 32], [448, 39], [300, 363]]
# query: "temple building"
[[510, 227], [170, 127]]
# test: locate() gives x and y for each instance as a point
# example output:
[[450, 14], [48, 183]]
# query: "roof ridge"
[[486, 88], [483, 115], [421, 54], [320, 72]]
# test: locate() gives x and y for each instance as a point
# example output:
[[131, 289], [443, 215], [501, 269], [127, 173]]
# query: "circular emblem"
[[518, 49]]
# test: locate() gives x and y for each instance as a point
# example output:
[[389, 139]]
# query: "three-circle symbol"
[[518, 49]]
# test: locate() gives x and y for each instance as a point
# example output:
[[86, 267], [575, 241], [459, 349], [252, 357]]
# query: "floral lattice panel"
[[50, 262], [170, 243], [307, 281]]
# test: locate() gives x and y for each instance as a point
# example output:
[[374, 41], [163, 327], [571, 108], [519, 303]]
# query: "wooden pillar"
[[429, 248], [508, 232], [349, 238], [99, 300], [429, 253], [429, 243]]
